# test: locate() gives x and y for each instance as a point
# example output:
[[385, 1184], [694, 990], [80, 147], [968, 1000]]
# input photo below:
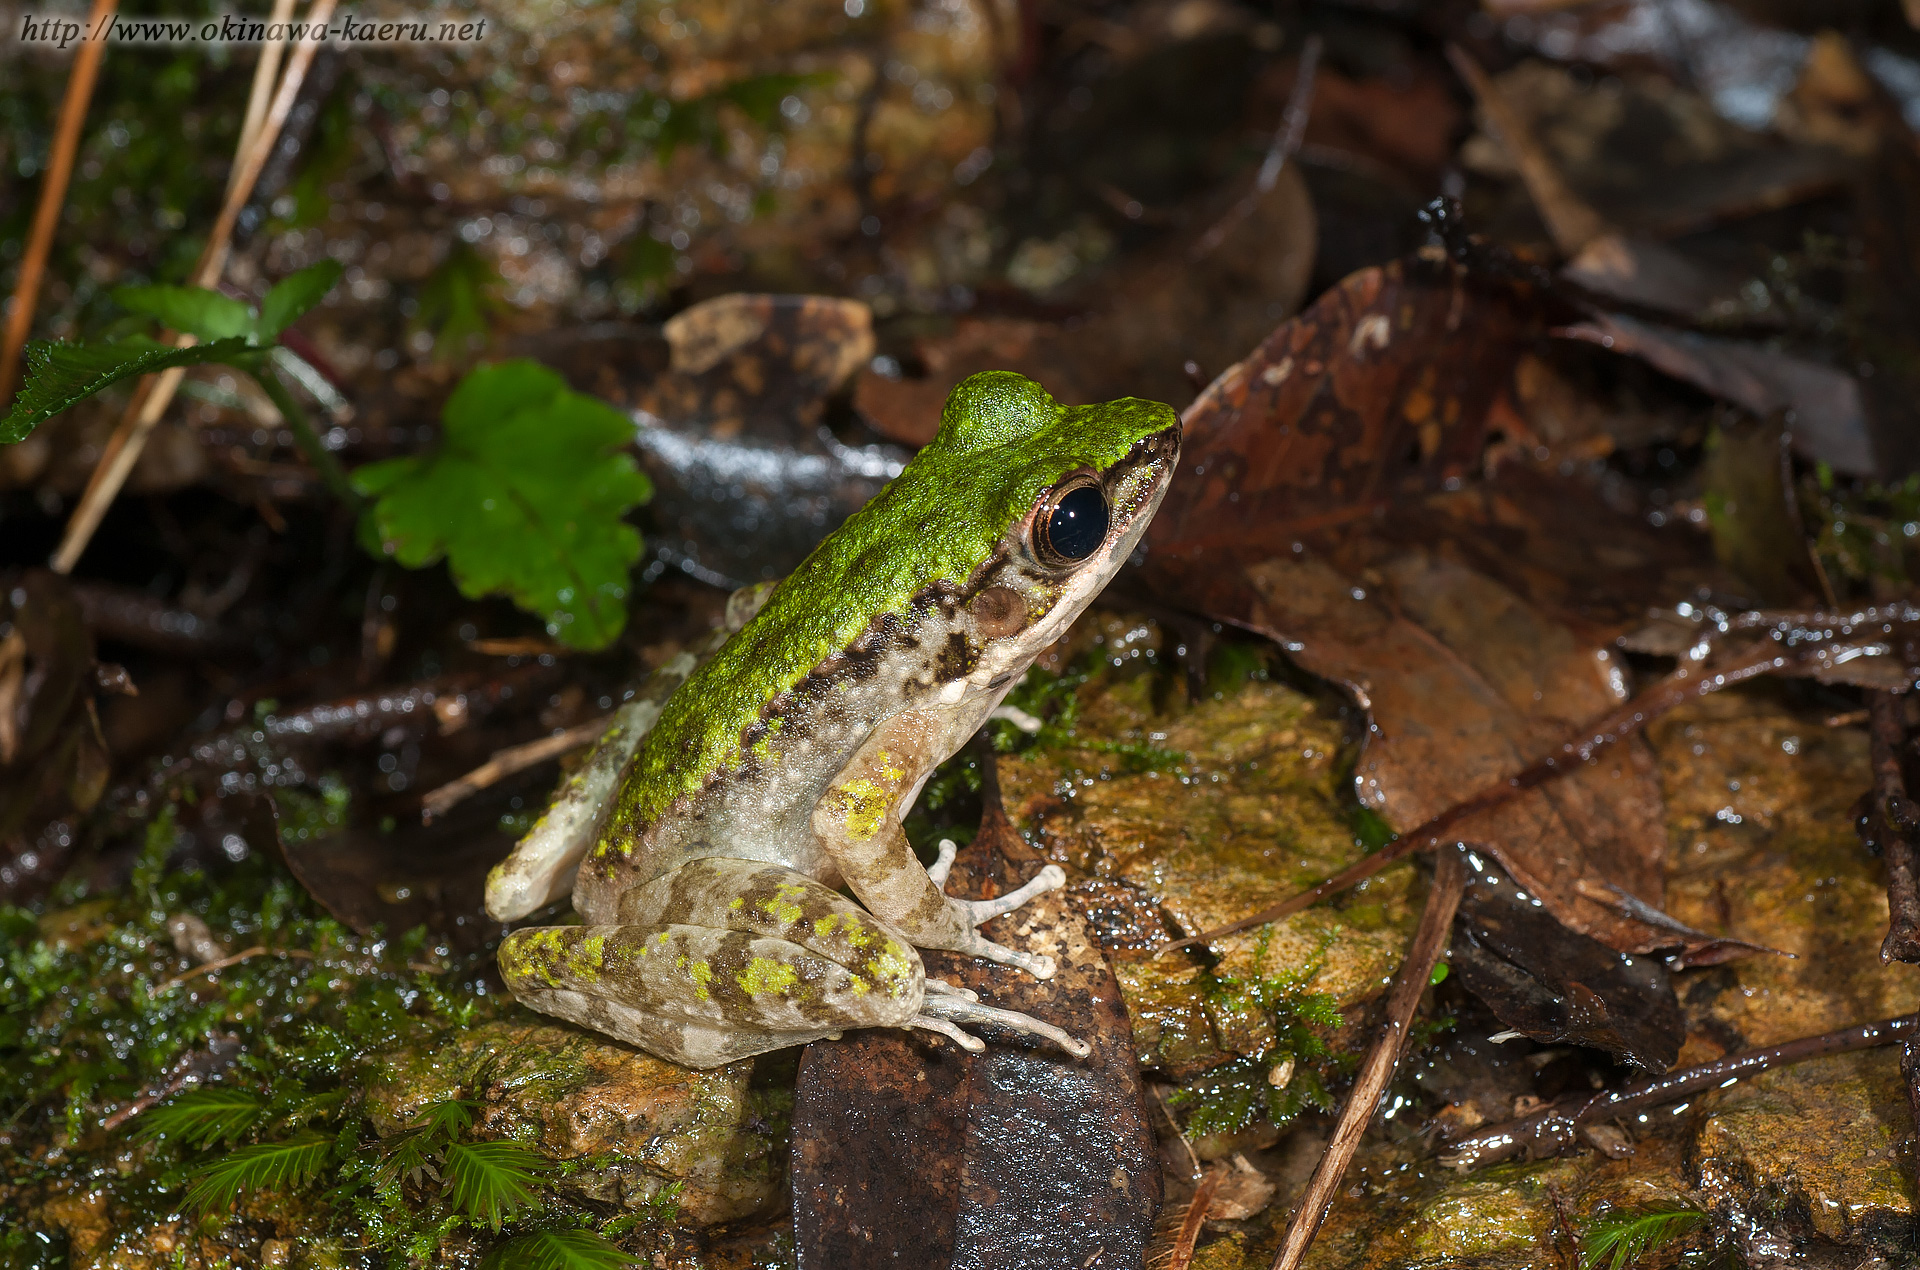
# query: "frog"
[[750, 885]]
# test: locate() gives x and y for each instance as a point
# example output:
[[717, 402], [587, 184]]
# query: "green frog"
[[777, 773]]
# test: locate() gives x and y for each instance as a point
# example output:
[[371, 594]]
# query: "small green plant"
[[525, 497], [60, 376], [1620, 1237]]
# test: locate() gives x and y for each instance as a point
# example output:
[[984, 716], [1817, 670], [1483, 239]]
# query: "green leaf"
[[202, 1117], [292, 296], [59, 376], [558, 1250], [492, 1181], [524, 498], [195, 310], [283, 1166], [1619, 1238]]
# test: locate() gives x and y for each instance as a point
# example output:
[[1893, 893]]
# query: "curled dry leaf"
[[1556, 985], [1345, 493]]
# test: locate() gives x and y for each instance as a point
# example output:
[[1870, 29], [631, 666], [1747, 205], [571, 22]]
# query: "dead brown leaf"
[[1337, 498]]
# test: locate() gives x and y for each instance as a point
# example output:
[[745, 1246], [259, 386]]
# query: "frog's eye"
[[1072, 522]]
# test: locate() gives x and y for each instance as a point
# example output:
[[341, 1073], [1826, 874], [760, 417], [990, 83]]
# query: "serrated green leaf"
[[524, 498], [491, 1181], [280, 1166], [202, 1117], [195, 310], [558, 1250], [292, 296], [59, 376]]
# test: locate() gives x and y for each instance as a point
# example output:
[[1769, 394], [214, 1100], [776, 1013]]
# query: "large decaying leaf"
[[1334, 495], [910, 1154], [524, 498], [62, 375]]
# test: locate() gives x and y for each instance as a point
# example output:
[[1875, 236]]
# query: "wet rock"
[[1757, 1147], [636, 1123], [1764, 849], [1244, 808]]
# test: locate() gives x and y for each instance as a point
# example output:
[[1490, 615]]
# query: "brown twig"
[[53, 192], [505, 763], [1285, 144], [155, 392], [1683, 685], [1571, 222], [1891, 821], [1189, 1236], [1556, 1128], [297, 954], [207, 968], [1382, 1060]]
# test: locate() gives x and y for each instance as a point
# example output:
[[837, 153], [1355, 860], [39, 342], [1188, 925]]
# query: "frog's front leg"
[[858, 823]]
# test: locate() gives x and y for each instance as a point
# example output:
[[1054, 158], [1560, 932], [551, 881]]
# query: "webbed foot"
[[975, 912]]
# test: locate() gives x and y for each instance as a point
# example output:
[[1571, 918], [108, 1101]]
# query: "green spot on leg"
[[764, 975], [782, 907], [866, 806]]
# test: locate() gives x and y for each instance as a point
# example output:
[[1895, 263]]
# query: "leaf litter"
[[1463, 521]]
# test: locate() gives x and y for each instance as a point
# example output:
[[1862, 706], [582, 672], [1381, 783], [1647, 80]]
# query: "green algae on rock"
[[1255, 808]]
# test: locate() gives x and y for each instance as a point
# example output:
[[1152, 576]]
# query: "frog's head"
[[1067, 492]]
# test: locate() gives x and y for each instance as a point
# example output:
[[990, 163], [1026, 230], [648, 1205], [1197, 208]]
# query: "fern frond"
[[445, 1120], [1619, 1238], [201, 1117], [287, 1165], [491, 1181], [558, 1250]]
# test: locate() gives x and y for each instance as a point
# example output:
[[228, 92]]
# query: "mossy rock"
[[630, 1125]]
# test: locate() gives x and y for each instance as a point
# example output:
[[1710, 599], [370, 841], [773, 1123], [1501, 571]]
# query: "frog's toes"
[[952, 1010], [936, 987], [928, 1023], [942, 866], [1051, 878]]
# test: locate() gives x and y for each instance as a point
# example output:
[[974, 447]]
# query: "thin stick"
[[1555, 1129], [1681, 686], [505, 763], [1891, 822], [234, 960], [1569, 219], [155, 394], [1189, 1236], [1377, 1069], [53, 192], [1285, 144]]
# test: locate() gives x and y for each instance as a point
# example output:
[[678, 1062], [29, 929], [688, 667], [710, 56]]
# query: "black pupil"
[[1078, 524]]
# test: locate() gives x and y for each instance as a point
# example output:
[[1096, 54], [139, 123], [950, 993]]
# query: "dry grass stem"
[[53, 196], [155, 393]]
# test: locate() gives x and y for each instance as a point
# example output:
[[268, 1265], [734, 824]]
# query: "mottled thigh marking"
[[778, 903]]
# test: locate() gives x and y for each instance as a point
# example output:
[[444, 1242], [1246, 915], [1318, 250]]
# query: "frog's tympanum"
[[781, 769]]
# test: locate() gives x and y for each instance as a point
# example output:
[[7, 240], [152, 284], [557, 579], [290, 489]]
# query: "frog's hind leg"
[[719, 960]]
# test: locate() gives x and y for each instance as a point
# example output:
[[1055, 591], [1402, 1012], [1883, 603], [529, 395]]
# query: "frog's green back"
[[1003, 440]]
